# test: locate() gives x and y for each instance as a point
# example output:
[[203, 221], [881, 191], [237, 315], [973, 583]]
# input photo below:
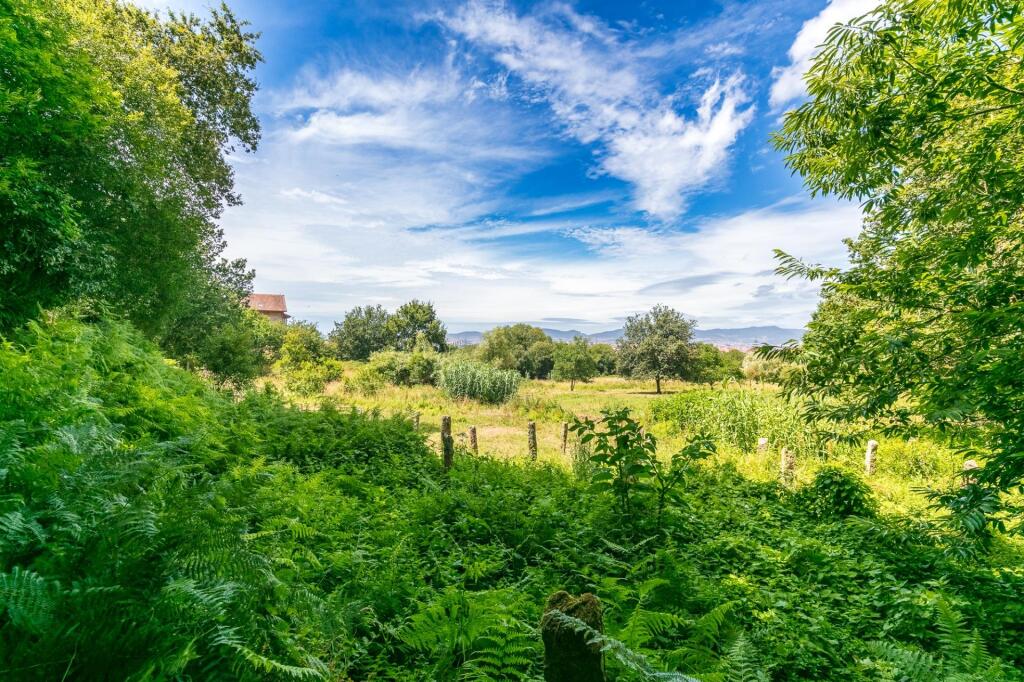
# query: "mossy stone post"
[[447, 443], [472, 441], [531, 439], [567, 655], [869, 457], [762, 445], [565, 437], [787, 467]]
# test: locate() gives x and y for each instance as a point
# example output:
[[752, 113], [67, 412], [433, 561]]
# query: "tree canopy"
[[656, 344], [508, 347], [414, 319], [917, 110], [363, 332], [574, 362], [115, 126]]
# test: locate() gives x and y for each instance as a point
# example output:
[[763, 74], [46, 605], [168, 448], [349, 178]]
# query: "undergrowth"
[[152, 527]]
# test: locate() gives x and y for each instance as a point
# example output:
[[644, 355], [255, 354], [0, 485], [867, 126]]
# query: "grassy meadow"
[[736, 413]]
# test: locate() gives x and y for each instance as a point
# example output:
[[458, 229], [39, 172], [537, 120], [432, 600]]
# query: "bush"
[[838, 493], [477, 381], [310, 378], [738, 418], [401, 368]]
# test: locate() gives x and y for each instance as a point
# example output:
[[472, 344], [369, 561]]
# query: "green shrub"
[[310, 378], [402, 368], [739, 417], [838, 493], [477, 381]]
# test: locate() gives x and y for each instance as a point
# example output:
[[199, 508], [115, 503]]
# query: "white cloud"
[[602, 93], [788, 81]]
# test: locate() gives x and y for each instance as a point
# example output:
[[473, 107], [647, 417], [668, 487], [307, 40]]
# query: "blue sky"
[[561, 163]]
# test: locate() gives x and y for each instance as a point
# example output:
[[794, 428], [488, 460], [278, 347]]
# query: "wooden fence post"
[[869, 457], [787, 467], [565, 437], [472, 440], [568, 657], [416, 421], [531, 439], [762, 445], [447, 443]]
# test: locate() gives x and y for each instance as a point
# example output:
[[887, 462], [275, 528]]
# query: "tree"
[[656, 345], [732, 363], [114, 131], [507, 347], [539, 360], [412, 319], [364, 331], [917, 110], [303, 344], [573, 362], [605, 357], [706, 366]]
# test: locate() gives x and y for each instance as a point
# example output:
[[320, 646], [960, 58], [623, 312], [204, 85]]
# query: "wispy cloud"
[[602, 91], [788, 81]]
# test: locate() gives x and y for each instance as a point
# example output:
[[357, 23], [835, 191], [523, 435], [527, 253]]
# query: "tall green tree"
[[656, 345], [917, 111], [539, 360], [573, 362], [508, 347], [707, 365], [115, 126], [605, 356], [413, 319], [363, 332]]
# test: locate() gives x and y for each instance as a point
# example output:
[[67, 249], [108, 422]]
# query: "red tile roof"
[[268, 303]]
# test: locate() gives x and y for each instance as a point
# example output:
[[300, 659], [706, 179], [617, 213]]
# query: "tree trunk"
[[657, 385], [572, 384], [567, 656]]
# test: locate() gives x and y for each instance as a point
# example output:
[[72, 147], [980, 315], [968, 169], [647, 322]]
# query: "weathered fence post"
[[869, 457], [531, 439], [567, 655], [787, 467], [447, 443], [472, 440], [565, 437], [762, 445], [416, 420], [969, 465]]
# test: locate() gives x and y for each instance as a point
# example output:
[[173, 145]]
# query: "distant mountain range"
[[741, 337]]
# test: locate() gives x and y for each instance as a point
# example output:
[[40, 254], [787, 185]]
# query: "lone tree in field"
[[573, 362], [917, 112], [656, 344], [363, 332]]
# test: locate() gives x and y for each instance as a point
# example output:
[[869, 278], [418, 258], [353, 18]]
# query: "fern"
[[28, 598]]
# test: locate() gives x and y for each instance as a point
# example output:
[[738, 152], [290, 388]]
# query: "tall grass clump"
[[738, 418], [477, 381]]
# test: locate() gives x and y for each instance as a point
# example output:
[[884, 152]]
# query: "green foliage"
[[413, 321], [510, 347], [656, 344], [574, 362], [605, 357], [153, 527], [916, 112], [738, 418], [539, 360], [363, 332], [477, 381], [115, 130], [627, 465], [838, 493], [401, 369], [302, 344], [771, 370]]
